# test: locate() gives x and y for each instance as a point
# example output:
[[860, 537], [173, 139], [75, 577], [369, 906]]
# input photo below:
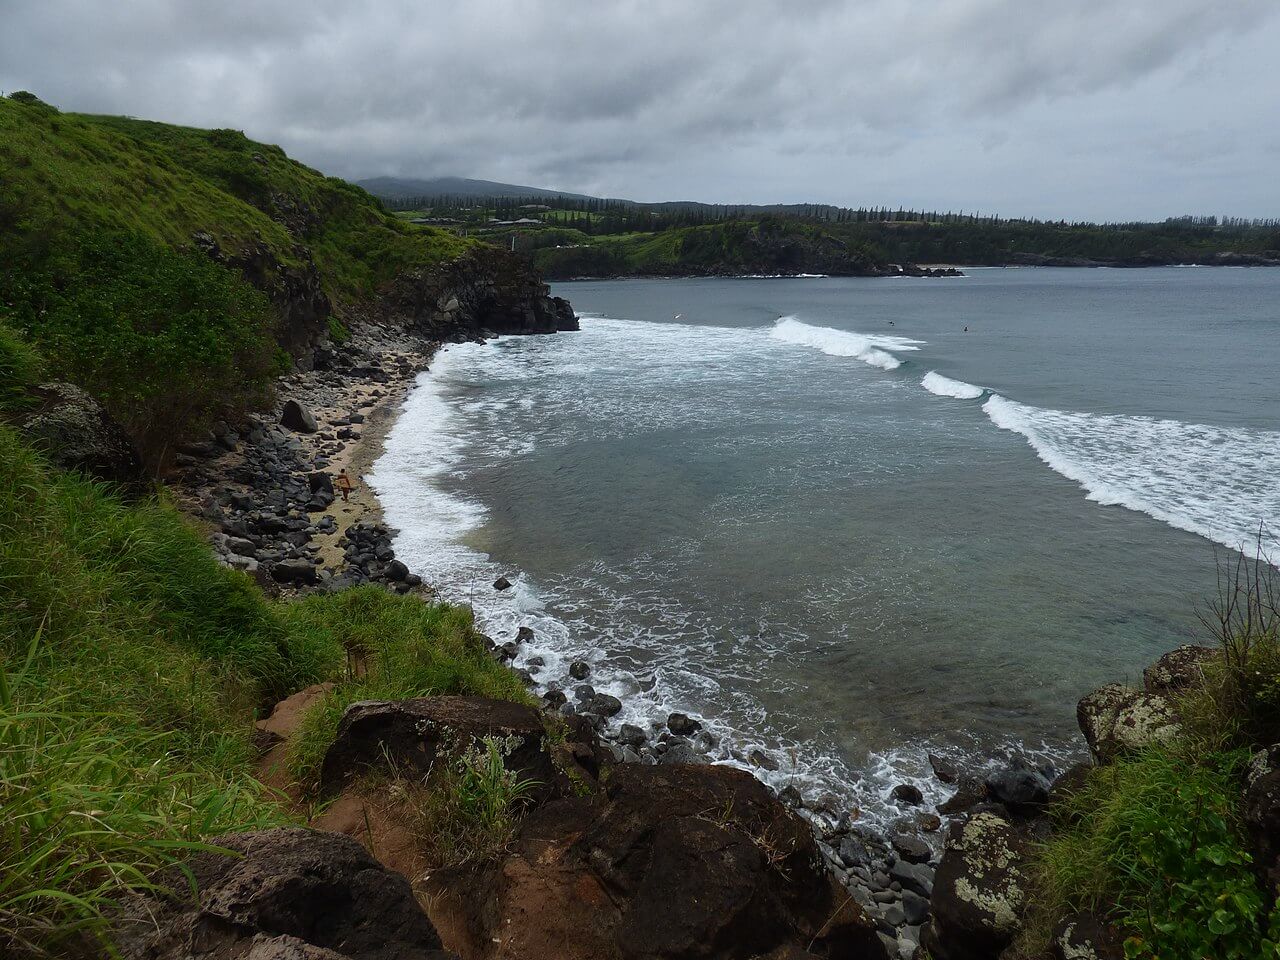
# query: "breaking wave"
[[878, 351], [1217, 482], [942, 386]]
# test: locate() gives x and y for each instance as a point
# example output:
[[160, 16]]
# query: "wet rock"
[[554, 699], [912, 849], [758, 758], [579, 669], [1116, 719], [524, 635], [853, 852], [1020, 787], [929, 822], [682, 725], [632, 736], [943, 769], [906, 794], [291, 894], [603, 705], [502, 583], [1179, 669], [397, 571], [980, 891], [297, 417]]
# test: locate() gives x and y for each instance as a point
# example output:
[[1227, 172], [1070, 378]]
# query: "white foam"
[[875, 350], [942, 386], [1217, 482]]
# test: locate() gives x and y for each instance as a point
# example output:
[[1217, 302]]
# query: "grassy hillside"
[[131, 668], [765, 245], [98, 267]]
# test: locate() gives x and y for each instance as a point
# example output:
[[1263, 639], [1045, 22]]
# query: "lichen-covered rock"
[[1085, 936], [1178, 669], [979, 891], [1262, 814], [286, 894], [76, 433], [1116, 719]]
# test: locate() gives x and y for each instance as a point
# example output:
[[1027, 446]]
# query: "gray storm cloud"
[[1083, 109]]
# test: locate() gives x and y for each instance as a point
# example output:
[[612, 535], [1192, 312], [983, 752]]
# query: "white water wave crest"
[[878, 351], [942, 386], [1217, 482]]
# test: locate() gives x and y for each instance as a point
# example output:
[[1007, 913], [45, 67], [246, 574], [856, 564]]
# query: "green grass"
[[399, 647], [133, 665], [1155, 841]]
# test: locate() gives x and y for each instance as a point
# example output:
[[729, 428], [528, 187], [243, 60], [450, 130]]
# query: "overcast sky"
[[1100, 109]]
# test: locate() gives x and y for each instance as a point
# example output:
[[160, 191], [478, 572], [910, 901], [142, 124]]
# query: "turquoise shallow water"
[[751, 500]]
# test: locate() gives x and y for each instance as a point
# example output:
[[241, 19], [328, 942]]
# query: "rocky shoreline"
[[265, 490]]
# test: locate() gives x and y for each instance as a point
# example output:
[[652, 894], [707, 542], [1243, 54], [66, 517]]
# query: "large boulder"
[[286, 894], [297, 417], [979, 890], [669, 862], [1021, 787], [1116, 719], [76, 433], [1262, 814], [411, 735], [1178, 669]]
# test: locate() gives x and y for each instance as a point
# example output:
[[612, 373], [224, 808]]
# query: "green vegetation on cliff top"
[[99, 269]]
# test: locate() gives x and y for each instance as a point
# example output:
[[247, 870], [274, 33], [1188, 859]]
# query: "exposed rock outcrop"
[[1262, 814], [1116, 719], [1179, 669], [76, 433], [487, 291], [979, 891], [285, 894], [411, 735], [671, 862], [1086, 936]]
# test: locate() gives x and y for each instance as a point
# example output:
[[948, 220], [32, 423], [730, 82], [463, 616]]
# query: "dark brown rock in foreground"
[[670, 862], [290, 894]]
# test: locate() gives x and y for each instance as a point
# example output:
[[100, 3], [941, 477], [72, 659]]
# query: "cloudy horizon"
[[1092, 110]]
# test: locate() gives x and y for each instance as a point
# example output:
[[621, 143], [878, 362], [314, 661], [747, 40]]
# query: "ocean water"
[[836, 526]]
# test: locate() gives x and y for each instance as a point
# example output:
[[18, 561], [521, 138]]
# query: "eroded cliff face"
[[486, 291]]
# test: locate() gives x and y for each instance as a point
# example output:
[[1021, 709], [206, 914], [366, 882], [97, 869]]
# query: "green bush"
[[397, 647], [167, 341], [1155, 840]]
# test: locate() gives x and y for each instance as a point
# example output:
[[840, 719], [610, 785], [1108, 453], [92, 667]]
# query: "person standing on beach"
[[344, 484]]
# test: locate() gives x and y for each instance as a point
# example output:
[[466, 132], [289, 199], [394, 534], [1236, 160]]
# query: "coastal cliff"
[[235, 724]]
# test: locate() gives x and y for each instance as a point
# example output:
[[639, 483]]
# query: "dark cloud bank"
[[1090, 108]]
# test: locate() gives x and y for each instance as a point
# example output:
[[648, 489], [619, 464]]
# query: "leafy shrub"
[[1155, 840], [168, 341]]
